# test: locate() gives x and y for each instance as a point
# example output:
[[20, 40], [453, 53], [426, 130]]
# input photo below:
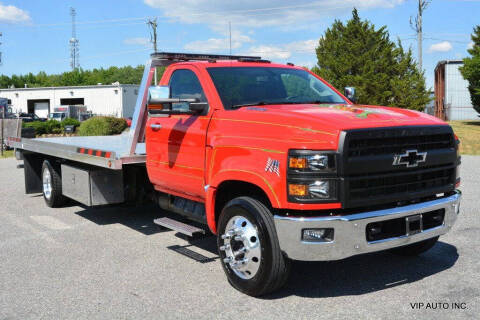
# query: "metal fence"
[[461, 113]]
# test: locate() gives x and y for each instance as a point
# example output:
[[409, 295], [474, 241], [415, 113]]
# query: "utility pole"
[[1, 34], [416, 25], [152, 24], [74, 43]]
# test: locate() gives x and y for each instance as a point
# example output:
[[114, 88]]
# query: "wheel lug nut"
[[240, 251]]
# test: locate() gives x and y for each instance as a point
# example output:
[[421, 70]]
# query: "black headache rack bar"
[[167, 58]]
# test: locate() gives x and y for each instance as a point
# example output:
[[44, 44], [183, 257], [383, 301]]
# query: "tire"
[[416, 248], [52, 185], [267, 269]]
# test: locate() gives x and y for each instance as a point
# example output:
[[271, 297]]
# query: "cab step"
[[178, 226]]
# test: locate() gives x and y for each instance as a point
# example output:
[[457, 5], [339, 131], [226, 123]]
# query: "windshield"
[[56, 116], [241, 86]]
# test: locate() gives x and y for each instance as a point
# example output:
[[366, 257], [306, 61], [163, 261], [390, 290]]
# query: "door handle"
[[156, 126]]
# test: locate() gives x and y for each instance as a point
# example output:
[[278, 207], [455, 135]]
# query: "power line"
[[224, 13], [455, 41]]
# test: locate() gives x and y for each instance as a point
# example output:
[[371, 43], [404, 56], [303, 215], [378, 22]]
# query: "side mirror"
[[160, 103], [198, 107], [158, 97], [351, 94]]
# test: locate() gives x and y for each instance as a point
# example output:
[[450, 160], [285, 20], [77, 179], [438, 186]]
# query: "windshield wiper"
[[263, 103], [320, 102]]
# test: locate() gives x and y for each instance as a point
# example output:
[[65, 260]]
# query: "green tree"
[[471, 69], [383, 72], [79, 77]]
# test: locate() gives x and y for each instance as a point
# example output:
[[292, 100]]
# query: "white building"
[[452, 98], [113, 100]]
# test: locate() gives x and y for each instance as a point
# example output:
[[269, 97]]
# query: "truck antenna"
[[230, 35]]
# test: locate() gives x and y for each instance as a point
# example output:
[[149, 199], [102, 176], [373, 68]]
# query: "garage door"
[[41, 109]]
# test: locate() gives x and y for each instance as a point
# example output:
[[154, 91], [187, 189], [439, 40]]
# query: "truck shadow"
[[353, 276], [139, 218], [364, 274]]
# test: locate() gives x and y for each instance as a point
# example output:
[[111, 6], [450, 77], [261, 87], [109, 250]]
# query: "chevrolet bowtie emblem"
[[411, 158]]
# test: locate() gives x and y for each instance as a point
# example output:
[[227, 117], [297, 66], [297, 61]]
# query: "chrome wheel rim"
[[47, 184], [242, 248]]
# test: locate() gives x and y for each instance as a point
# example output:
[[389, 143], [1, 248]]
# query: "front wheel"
[[249, 249]]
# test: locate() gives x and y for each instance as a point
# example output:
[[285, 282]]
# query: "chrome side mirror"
[[351, 94], [159, 102], [157, 94]]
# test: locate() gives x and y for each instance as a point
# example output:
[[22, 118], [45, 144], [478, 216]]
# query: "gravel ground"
[[79, 263]]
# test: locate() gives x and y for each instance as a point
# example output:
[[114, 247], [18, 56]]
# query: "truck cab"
[[337, 178], [59, 116]]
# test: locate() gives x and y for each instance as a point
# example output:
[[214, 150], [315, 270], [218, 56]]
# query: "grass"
[[469, 134], [7, 154]]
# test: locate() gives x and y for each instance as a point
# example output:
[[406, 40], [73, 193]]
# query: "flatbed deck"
[[110, 152], [106, 151]]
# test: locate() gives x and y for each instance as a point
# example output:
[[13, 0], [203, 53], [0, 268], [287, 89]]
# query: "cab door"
[[176, 143]]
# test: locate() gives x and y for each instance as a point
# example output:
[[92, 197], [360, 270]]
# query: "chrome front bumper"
[[350, 231]]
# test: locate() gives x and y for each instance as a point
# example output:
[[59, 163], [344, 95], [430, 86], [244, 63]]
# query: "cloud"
[[443, 46], [12, 14], [269, 52], [260, 13], [303, 46], [219, 44], [137, 41], [284, 51], [470, 45]]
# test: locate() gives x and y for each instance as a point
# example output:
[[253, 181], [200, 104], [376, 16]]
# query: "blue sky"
[[36, 33]]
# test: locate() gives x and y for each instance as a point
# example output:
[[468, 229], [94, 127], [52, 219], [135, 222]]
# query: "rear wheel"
[[52, 185], [416, 248], [249, 248]]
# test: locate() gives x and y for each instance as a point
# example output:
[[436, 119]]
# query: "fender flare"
[[236, 175]]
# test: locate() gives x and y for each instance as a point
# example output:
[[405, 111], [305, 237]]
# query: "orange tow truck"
[[269, 157]]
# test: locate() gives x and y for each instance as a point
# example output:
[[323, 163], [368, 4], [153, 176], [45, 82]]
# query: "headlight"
[[322, 189], [312, 176], [300, 160]]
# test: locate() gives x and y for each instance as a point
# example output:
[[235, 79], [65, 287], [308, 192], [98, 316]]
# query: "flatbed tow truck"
[[271, 158]]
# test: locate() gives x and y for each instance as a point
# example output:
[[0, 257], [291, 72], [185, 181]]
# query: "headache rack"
[[168, 58]]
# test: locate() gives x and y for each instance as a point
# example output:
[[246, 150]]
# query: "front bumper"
[[350, 231]]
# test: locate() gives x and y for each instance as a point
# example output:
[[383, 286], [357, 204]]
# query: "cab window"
[[184, 84]]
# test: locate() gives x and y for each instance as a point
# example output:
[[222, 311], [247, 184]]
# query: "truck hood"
[[307, 126], [338, 117]]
